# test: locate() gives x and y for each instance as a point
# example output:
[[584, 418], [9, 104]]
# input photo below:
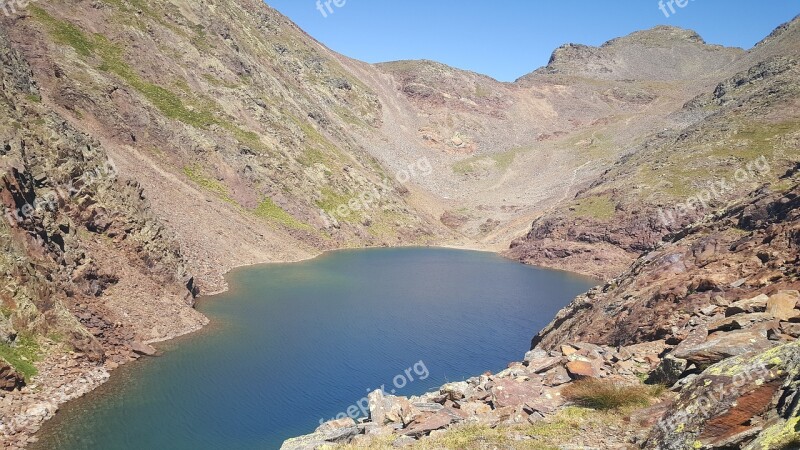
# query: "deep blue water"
[[290, 344]]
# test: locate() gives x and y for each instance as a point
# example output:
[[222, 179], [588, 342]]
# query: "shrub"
[[606, 395]]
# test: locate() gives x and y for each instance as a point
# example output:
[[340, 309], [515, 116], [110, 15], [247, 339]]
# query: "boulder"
[[541, 365], [536, 353], [782, 305], [41, 411], [456, 391], [739, 321], [567, 350], [507, 392], [10, 379], [335, 425], [720, 346], [7, 333], [749, 305], [340, 431], [388, 409], [556, 376], [427, 423], [668, 372], [581, 369], [140, 348], [475, 408], [791, 329]]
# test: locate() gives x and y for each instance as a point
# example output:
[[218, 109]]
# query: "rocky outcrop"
[[86, 266], [9, 378], [742, 402]]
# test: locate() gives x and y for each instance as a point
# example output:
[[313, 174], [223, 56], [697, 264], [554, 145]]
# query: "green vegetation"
[[267, 209], [332, 200], [214, 81], [601, 207], [198, 177], [22, 355], [606, 395], [200, 113], [548, 434], [469, 437], [501, 161], [34, 98]]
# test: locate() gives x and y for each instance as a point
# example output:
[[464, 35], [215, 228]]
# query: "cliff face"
[[87, 266]]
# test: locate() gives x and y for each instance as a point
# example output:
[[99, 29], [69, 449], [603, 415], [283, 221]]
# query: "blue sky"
[[507, 39]]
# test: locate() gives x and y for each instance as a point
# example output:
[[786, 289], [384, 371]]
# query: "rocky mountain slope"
[[150, 147], [732, 138], [89, 273]]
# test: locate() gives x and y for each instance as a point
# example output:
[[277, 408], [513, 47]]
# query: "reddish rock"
[[782, 305], [581, 369], [9, 378], [427, 423], [508, 392], [542, 365], [748, 305]]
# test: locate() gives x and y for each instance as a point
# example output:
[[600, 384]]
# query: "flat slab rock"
[[720, 346], [507, 392]]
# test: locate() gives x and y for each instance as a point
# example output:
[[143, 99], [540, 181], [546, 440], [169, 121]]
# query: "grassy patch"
[[267, 209], [332, 200], [501, 161], [65, 32], [468, 437], [606, 395], [198, 177], [601, 207], [22, 355], [198, 113]]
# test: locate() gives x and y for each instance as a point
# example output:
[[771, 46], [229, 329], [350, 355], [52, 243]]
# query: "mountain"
[[150, 147], [748, 122]]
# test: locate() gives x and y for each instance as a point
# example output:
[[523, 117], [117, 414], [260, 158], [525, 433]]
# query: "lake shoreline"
[[210, 297]]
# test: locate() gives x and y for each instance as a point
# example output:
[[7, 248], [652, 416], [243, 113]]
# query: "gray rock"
[[721, 346], [7, 333], [742, 402], [141, 348], [668, 372]]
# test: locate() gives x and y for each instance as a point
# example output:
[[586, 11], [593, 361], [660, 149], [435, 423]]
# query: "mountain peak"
[[662, 52]]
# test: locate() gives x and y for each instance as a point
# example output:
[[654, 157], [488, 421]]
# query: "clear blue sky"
[[507, 39]]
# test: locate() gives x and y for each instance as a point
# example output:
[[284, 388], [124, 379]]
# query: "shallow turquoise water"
[[291, 344]]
